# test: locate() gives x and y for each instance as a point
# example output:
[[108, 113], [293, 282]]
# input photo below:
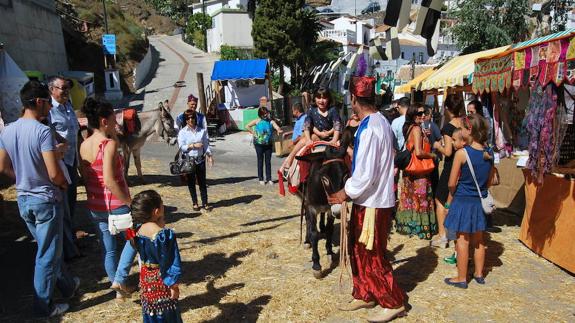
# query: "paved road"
[[177, 61]]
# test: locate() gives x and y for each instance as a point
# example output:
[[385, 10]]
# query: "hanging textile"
[[540, 124], [397, 13], [427, 23], [493, 75]]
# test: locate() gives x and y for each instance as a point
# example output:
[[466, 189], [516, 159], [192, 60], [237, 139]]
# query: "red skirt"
[[157, 306], [372, 273]]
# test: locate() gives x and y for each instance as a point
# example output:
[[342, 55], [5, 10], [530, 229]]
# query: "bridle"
[[329, 161]]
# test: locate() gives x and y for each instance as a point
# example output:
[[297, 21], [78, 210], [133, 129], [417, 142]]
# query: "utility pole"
[[205, 31], [105, 16]]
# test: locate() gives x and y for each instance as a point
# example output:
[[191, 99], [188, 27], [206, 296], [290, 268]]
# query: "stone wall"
[[32, 34]]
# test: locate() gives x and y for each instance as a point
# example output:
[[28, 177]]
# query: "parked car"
[[326, 10], [308, 7], [371, 7]]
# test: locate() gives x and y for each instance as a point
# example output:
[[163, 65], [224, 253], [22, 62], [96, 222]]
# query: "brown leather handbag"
[[418, 166]]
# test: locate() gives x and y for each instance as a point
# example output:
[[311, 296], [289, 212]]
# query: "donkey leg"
[[138, 163], [314, 237], [329, 234], [127, 154]]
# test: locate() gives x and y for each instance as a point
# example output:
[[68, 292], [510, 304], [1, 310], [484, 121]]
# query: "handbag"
[[403, 157], [182, 164], [418, 166], [118, 222], [487, 202]]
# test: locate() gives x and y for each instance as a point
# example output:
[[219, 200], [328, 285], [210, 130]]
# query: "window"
[[402, 55], [421, 57]]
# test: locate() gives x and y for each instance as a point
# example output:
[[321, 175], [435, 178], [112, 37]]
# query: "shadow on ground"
[[229, 312], [416, 269], [212, 266]]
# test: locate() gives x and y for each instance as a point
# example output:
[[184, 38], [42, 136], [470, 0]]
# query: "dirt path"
[[243, 263]]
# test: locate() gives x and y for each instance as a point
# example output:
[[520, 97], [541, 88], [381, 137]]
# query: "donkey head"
[[165, 128]]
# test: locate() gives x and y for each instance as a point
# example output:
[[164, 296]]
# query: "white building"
[[231, 27], [211, 6], [349, 30]]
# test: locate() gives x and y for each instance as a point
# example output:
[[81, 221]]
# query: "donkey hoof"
[[317, 274], [307, 245]]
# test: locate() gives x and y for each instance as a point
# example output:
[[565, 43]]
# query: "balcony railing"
[[342, 36]]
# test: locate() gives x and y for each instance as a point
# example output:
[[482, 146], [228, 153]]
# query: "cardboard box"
[[283, 144]]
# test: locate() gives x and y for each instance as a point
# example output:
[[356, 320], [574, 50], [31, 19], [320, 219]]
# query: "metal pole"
[[105, 16], [205, 31]]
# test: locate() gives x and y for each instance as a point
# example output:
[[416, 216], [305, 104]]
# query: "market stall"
[[244, 83], [533, 99]]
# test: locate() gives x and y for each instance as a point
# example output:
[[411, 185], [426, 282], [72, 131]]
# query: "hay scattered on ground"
[[243, 262]]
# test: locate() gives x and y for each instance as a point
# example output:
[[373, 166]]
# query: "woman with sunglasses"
[[193, 141], [415, 214]]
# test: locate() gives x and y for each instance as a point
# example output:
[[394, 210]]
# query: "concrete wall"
[[230, 28], [32, 35], [143, 69]]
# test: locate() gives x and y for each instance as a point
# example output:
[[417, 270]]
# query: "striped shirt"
[[100, 198]]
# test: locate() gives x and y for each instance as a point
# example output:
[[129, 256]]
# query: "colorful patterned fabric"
[[540, 119], [415, 214], [263, 132], [493, 75]]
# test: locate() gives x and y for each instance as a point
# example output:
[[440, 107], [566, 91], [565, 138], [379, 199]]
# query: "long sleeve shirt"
[[63, 119], [371, 182], [188, 136]]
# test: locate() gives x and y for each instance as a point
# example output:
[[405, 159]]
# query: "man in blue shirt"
[[397, 124], [62, 119], [28, 154], [192, 105], [299, 115]]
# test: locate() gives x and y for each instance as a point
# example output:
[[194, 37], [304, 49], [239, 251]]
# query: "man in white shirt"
[[370, 187]]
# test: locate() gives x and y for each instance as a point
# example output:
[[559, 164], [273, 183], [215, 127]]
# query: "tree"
[[284, 32], [196, 29], [486, 24]]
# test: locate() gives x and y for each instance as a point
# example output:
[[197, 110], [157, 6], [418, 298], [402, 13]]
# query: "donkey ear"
[[313, 157]]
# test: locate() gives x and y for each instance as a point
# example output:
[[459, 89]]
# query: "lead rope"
[[343, 245]]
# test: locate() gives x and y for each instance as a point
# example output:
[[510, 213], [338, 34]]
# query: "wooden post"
[[201, 93]]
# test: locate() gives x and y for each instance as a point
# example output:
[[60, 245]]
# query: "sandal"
[[122, 290], [207, 207], [196, 207]]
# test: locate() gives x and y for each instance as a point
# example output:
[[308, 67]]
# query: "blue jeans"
[[44, 220], [116, 271], [264, 152]]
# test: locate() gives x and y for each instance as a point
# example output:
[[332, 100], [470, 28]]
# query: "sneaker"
[[452, 260], [270, 183], [59, 309], [262, 183]]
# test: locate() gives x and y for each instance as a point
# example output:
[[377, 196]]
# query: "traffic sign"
[[109, 43]]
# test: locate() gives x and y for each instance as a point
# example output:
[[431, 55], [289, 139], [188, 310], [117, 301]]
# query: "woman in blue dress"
[[160, 259], [466, 218]]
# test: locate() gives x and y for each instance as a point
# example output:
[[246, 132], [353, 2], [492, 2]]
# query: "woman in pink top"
[[108, 195]]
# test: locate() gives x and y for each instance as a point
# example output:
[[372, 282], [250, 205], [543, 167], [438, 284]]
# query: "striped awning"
[[457, 70], [543, 39]]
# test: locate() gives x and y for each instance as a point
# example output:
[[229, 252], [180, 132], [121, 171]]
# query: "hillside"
[[131, 21]]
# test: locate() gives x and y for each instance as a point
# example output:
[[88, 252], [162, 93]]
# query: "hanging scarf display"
[[540, 121]]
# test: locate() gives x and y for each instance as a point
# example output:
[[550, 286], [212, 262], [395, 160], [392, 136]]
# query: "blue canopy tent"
[[244, 83], [240, 70]]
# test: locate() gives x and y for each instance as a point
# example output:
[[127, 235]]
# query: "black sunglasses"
[[420, 113]]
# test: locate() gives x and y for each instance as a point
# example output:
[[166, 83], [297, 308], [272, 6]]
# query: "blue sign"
[[109, 43]]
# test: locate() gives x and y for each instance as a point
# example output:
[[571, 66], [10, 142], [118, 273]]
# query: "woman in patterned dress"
[[415, 214]]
